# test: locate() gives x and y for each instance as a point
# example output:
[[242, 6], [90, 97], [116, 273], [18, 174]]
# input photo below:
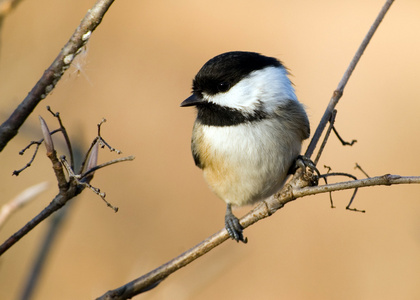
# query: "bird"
[[248, 131]]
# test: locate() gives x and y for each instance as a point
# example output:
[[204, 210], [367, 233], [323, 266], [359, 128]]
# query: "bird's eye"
[[223, 86]]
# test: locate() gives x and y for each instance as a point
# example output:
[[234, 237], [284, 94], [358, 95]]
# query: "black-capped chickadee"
[[249, 128]]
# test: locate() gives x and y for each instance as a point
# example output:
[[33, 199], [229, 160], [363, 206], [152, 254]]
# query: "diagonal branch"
[[53, 74], [261, 211], [340, 88], [58, 202]]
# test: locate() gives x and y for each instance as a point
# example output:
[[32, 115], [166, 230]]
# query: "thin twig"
[[340, 88], [108, 163], [327, 135], [54, 73], [343, 142], [65, 135], [34, 275], [104, 143], [352, 196], [17, 172], [361, 170], [21, 152]]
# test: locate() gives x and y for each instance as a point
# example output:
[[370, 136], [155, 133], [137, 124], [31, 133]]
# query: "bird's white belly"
[[246, 163]]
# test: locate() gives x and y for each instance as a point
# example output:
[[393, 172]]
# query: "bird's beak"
[[192, 100]]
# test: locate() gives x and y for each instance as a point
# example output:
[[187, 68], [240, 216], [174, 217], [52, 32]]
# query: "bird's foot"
[[305, 164], [233, 227]]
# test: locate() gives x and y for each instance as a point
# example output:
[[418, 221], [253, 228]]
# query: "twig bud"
[[47, 136], [93, 157], [92, 161]]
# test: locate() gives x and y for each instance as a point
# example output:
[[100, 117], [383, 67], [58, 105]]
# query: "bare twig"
[[37, 143], [53, 74], [261, 211], [352, 196], [327, 135], [340, 88], [84, 180], [65, 135], [67, 189], [20, 200], [98, 141], [108, 163], [34, 274], [357, 166], [343, 142]]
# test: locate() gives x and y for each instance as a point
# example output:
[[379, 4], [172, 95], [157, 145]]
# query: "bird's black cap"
[[223, 71]]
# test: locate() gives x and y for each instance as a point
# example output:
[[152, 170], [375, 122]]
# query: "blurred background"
[[135, 71]]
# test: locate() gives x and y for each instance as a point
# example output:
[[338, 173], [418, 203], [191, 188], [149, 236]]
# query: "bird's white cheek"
[[241, 97], [266, 89]]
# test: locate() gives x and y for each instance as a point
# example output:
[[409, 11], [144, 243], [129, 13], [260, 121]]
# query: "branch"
[[53, 74], [261, 211], [58, 202], [340, 88], [70, 188]]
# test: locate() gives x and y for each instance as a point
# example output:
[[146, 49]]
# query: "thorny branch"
[[54, 73]]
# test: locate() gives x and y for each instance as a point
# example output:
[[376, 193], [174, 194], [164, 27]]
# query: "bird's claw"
[[234, 228], [304, 162]]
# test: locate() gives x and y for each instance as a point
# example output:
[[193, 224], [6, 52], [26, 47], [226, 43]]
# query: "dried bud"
[[92, 162], [93, 157], [47, 136]]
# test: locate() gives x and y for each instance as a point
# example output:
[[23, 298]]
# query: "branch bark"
[[290, 192], [53, 74], [58, 202]]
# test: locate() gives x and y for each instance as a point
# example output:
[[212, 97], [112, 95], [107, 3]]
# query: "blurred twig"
[[34, 273], [6, 7], [53, 74], [20, 200]]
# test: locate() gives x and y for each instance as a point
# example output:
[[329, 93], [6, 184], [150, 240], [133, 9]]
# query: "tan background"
[[138, 68]]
